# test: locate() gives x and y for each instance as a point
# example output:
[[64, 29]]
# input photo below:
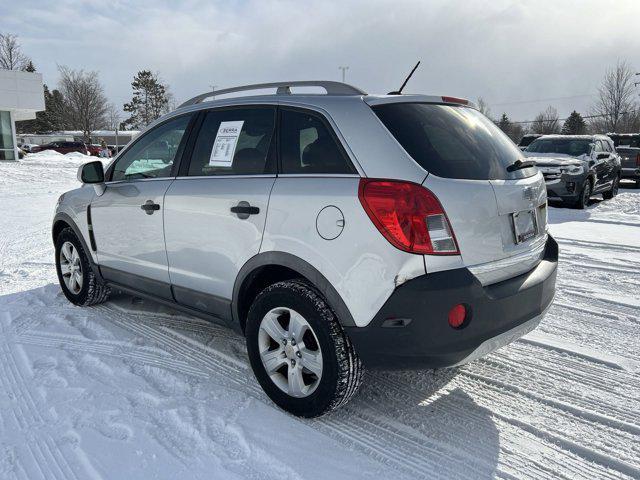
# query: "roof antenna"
[[399, 92]]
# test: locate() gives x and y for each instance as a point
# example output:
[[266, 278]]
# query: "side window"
[[152, 156], [307, 145], [599, 148], [234, 141]]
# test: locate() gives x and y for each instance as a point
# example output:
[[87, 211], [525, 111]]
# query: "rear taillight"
[[638, 160], [409, 216]]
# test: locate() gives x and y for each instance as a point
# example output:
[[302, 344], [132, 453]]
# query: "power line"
[[564, 119], [519, 102]]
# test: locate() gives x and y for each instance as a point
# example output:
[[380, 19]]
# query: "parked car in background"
[[385, 231], [625, 139], [94, 149], [630, 163], [62, 147], [26, 147], [526, 140], [575, 167]]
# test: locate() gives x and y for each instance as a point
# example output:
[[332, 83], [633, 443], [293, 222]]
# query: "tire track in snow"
[[566, 455], [32, 422], [120, 350], [599, 245], [610, 443], [563, 376]]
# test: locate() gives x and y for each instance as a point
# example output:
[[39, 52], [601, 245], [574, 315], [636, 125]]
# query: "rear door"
[[215, 210], [128, 217]]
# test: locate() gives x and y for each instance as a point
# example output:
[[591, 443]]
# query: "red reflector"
[[408, 215], [457, 315], [462, 101]]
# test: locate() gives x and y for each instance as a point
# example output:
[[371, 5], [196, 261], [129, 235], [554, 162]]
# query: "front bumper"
[[567, 188], [411, 330]]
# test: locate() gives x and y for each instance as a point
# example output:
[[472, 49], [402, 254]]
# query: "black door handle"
[[149, 207], [244, 209]]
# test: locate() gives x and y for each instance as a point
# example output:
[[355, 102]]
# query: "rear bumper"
[[500, 313]]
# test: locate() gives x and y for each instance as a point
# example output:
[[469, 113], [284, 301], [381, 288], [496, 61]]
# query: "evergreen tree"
[[150, 100], [504, 123], [49, 120], [30, 67], [574, 125]]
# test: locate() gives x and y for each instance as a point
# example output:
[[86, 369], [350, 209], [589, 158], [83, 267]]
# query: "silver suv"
[[334, 231]]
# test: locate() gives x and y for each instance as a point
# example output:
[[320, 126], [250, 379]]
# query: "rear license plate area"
[[525, 225]]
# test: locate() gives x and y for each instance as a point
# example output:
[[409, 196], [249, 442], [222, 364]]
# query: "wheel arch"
[[62, 221], [269, 267]]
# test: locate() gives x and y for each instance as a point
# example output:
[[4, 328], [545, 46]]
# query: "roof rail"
[[283, 88]]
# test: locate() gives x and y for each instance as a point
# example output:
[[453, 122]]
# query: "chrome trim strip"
[[511, 266]]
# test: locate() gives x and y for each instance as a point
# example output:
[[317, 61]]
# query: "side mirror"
[[92, 172], [602, 156]]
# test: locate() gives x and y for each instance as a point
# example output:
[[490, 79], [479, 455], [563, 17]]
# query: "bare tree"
[[546, 122], [483, 106], [11, 56], [616, 105], [85, 105], [113, 117]]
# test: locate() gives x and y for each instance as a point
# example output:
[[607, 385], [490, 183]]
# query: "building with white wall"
[[21, 96]]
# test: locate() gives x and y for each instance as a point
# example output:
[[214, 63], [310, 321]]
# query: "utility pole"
[[213, 89], [344, 72]]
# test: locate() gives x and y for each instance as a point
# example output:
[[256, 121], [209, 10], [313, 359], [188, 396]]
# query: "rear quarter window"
[[452, 141]]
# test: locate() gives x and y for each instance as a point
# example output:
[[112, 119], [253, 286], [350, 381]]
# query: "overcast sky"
[[519, 55]]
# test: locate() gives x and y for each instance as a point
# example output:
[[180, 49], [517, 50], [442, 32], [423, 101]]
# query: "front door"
[[215, 211], [128, 217]]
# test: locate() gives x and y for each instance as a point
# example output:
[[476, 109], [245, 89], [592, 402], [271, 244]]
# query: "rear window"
[[452, 141], [627, 141]]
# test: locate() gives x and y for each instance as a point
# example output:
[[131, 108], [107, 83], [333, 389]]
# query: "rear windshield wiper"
[[519, 164]]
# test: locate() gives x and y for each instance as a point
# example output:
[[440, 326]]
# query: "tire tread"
[[351, 370]]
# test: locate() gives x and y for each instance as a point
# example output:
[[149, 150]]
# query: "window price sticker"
[[224, 146]]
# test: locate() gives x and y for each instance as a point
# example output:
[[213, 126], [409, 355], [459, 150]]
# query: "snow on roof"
[[576, 137], [100, 132]]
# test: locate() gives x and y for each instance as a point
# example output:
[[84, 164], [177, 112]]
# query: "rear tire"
[[329, 370], [614, 190], [585, 195], [79, 283]]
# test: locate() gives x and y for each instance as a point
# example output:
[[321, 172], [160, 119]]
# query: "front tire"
[[299, 352], [614, 190], [79, 283], [585, 195]]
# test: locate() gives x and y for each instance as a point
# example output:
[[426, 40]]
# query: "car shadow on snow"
[[422, 424], [431, 417], [419, 422]]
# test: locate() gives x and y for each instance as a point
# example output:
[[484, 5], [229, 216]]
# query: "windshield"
[[568, 146], [452, 141]]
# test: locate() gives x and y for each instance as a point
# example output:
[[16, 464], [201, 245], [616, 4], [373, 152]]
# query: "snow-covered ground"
[[131, 390]]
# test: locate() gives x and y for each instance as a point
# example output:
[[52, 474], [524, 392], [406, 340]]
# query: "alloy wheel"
[[71, 267], [290, 352]]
